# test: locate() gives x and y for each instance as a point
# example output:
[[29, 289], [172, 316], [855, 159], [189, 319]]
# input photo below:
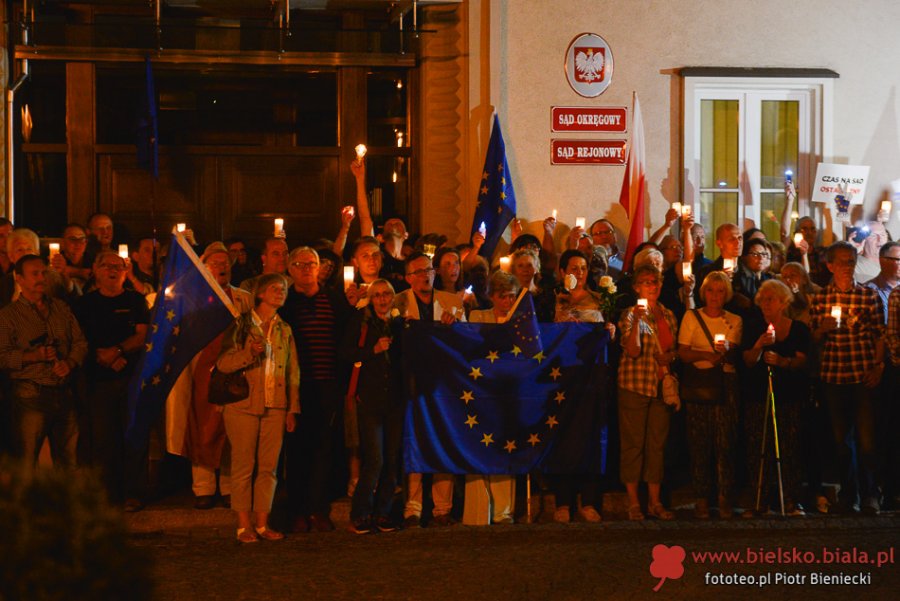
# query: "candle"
[[348, 276], [123, 251], [469, 289], [728, 264], [504, 263], [795, 215], [482, 229], [836, 313], [180, 227], [686, 269], [886, 206], [798, 238], [579, 222], [279, 227], [553, 214], [429, 249], [770, 329], [686, 210], [360, 152], [719, 338], [54, 249], [677, 207], [642, 302]]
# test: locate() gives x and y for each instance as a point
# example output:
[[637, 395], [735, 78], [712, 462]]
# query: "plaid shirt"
[[849, 351], [893, 326], [639, 374]]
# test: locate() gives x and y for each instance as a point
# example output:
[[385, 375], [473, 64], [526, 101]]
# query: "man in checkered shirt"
[[852, 365]]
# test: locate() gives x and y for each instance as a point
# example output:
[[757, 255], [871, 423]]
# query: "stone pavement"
[[196, 557]]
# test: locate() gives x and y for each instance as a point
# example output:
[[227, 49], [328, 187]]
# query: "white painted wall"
[[650, 41]]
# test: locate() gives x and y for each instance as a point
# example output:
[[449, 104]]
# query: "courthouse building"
[[261, 103]]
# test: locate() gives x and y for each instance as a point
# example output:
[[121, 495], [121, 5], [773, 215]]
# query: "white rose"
[[606, 282], [612, 289], [395, 312]]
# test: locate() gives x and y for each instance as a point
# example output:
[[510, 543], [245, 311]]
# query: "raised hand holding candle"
[[642, 302], [836, 313], [686, 269], [123, 251], [180, 227], [579, 222], [677, 207], [553, 213], [728, 265], [279, 227], [54, 249], [348, 276], [686, 210], [504, 263], [360, 152], [798, 238], [482, 229]]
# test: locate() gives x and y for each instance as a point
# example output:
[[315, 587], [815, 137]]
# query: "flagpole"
[[515, 306]]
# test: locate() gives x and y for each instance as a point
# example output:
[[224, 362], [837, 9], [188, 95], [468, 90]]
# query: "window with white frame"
[[741, 134]]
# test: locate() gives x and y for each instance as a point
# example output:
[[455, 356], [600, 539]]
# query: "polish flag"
[[634, 184]]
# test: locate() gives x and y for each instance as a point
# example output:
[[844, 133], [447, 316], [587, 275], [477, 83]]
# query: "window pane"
[[389, 181], [770, 210], [719, 144], [716, 208], [779, 141], [387, 109]]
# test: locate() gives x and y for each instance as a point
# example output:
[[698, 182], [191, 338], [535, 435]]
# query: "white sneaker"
[[561, 515]]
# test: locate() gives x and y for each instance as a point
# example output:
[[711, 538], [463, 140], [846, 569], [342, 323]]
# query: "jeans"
[[852, 407], [45, 412], [380, 436]]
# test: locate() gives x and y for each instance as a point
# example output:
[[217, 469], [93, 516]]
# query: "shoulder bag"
[[703, 386]]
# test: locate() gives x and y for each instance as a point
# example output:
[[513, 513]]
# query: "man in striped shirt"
[[847, 319], [317, 317]]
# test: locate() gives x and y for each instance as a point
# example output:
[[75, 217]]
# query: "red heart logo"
[[667, 563]]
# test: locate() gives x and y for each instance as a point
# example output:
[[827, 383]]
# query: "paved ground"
[[197, 558]]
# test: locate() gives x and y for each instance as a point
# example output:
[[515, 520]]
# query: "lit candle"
[[836, 313], [360, 152], [429, 249], [886, 206], [728, 264], [123, 251], [504, 263], [642, 302], [482, 229], [795, 215], [719, 338], [686, 210], [54, 249], [798, 238], [553, 213], [579, 222], [677, 207], [770, 329], [279, 227], [686, 269], [348, 276], [180, 227]]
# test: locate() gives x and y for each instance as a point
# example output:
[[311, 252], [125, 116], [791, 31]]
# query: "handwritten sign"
[[832, 180]]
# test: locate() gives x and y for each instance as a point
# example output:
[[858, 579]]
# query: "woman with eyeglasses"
[[371, 343], [753, 268]]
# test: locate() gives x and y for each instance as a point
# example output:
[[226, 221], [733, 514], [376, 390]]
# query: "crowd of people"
[[786, 318]]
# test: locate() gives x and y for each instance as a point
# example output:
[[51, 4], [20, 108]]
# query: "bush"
[[59, 539]]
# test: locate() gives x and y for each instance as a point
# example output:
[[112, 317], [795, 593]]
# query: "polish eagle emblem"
[[589, 64]]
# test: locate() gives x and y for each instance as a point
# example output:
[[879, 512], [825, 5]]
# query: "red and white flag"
[[634, 184]]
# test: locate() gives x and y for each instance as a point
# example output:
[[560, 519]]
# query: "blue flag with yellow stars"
[[479, 404], [191, 309], [496, 205]]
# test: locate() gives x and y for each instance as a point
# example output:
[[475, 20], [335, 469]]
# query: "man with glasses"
[[847, 320], [70, 261], [422, 301], [195, 427], [41, 344], [317, 317], [604, 234]]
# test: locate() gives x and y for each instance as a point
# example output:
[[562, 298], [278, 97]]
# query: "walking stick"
[[771, 400], [528, 498], [762, 449]]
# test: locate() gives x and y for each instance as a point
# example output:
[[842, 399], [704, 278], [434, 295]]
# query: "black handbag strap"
[[705, 329]]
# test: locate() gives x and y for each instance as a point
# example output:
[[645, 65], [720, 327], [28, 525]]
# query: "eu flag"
[[479, 404], [496, 205], [191, 309], [147, 130]]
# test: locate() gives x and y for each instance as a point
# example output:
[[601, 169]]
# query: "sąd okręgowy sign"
[[589, 119], [587, 152], [846, 180], [589, 65]]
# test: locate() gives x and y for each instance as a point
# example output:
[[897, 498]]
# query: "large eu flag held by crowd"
[[480, 403], [496, 198], [191, 310]]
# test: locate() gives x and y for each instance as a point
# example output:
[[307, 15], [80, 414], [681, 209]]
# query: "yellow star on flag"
[[551, 421], [143, 384], [485, 175], [467, 396], [155, 381], [515, 351], [476, 373], [170, 314], [484, 190], [487, 439], [155, 328], [560, 397], [149, 346], [510, 446], [472, 421], [492, 356], [500, 167], [555, 373], [534, 439], [540, 357], [502, 195], [168, 368], [176, 330], [503, 181]]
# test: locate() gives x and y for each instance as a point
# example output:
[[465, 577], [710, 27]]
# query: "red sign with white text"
[[606, 119], [587, 152]]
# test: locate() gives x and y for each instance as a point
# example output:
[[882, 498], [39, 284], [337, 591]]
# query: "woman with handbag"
[[261, 344], [708, 345], [371, 343], [648, 341], [774, 343]]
